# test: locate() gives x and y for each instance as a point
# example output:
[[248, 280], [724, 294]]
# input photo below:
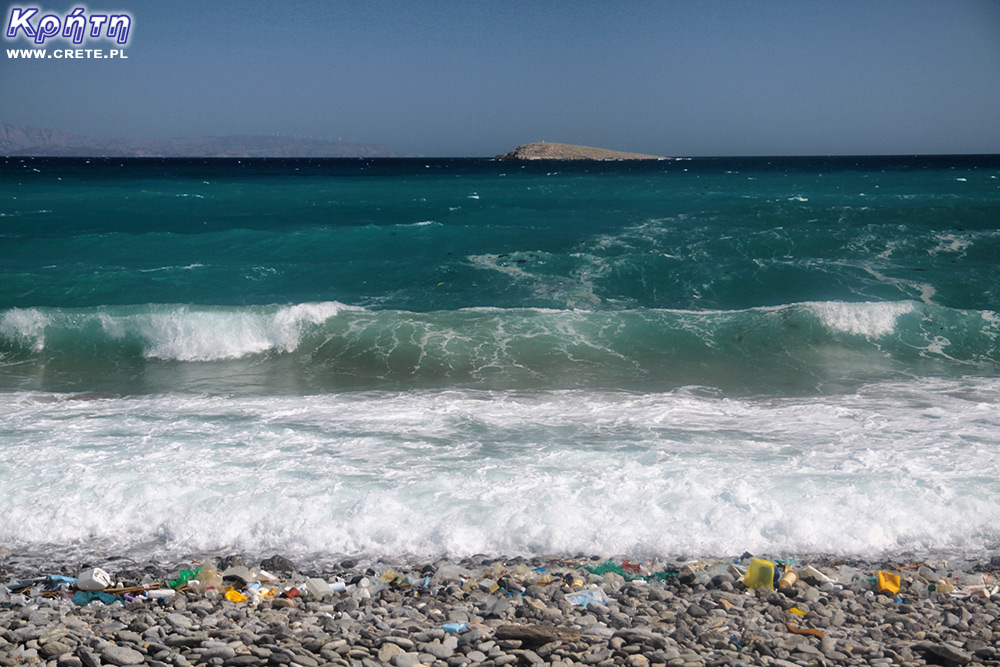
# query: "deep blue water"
[[730, 337]]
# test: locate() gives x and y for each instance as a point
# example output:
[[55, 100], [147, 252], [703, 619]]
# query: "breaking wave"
[[331, 346]]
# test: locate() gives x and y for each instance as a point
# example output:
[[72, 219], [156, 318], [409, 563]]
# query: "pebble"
[[121, 655]]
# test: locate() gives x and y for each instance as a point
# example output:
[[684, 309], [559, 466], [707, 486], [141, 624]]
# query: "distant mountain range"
[[35, 141]]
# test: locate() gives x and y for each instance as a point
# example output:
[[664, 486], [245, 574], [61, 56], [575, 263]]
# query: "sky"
[[479, 77]]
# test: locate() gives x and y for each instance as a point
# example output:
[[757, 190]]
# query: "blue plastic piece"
[[454, 628], [86, 597]]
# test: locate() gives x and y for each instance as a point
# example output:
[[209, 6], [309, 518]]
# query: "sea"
[[446, 357]]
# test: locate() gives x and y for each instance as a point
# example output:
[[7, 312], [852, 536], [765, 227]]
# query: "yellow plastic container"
[[888, 582], [234, 595], [760, 574]]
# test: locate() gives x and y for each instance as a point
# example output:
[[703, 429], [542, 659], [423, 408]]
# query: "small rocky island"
[[542, 150]]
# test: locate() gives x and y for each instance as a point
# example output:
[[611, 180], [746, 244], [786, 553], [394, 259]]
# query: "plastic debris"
[[454, 628], [160, 593], [788, 579], [812, 576], [489, 585], [614, 568], [58, 582], [183, 578], [760, 574], [24, 584], [208, 578], [804, 631], [888, 582], [234, 595], [82, 598], [318, 587], [583, 598], [94, 579], [241, 574]]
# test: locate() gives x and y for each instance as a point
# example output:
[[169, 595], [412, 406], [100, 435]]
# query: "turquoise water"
[[440, 339]]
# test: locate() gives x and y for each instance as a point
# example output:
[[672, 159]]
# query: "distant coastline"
[[22, 141], [543, 150]]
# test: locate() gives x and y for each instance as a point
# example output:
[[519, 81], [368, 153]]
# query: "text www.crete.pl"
[[67, 54]]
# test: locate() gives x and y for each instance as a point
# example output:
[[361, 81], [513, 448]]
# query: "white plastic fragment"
[[585, 597], [160, 593], [94, 579]]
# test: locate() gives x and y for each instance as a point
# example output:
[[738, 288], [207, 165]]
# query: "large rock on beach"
[[278, 565], [536, 634]]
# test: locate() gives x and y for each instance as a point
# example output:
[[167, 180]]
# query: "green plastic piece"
[[184, 577], [611, 566]]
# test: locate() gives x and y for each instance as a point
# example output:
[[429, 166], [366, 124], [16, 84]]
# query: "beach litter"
[[512, 611]]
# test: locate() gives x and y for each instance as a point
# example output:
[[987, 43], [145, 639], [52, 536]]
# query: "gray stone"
[[696, 611], [532, 658], [243, 661], [87, 658], [946, 651], [642, 636], [598, 609], [595, 656], [306, 661], [388, 651], [121, 655], [404, 643], [188, 641], [407, 659], [475, 656], [129, 637], [536, 635], [223, 652], [439, 651], [278, 565], [179, 621], [54, 649]]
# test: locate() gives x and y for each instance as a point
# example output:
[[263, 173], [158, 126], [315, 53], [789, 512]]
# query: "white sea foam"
[[25, 325], [211, 335], [891, 467], [180, 333], [948, 243], [872, 320]]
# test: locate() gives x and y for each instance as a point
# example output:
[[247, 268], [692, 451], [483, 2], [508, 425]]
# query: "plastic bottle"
[[161, 593], [208, 578]]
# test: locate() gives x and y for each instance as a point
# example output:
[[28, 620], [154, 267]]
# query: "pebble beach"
[[561, 611]]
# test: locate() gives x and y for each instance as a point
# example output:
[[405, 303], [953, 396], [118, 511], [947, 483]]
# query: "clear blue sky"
[[478, 77]]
